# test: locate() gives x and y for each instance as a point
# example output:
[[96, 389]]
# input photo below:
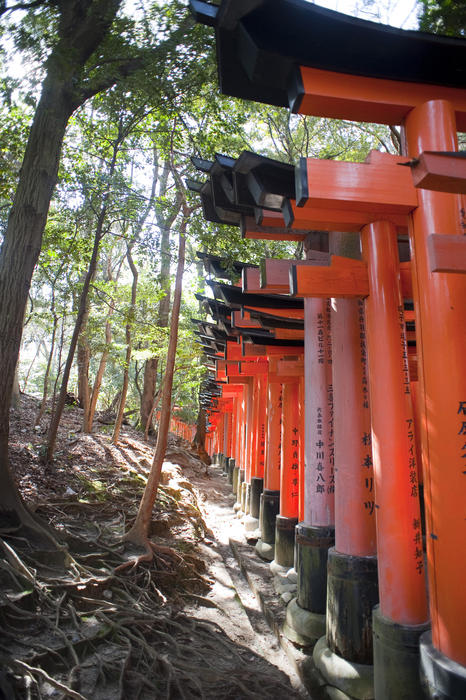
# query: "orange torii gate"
[[318, 73]]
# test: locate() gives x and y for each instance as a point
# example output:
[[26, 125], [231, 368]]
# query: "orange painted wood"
[[238, 321], [274, 420], [338, 280], [253, 369], [319, 495], [275, 273], [301, 451], [252, 281], [440, 172], [280, 313], [290, 457], [362, 99], [291, 368], [261, 427], [272, 228], [355, 491], [399, 537], [292, 334], [447, 252], [374, 187], [440, 299], [406, 284], [271, 351], [339, 219], [233, 351]]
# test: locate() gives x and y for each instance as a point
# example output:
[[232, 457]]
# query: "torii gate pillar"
[[440, 313]]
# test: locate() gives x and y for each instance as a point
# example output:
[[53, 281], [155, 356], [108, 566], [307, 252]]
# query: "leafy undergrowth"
[[82, 623]]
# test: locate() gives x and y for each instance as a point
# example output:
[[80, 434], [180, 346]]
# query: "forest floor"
[[84, 623]]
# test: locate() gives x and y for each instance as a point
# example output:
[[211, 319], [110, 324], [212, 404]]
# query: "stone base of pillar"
[[441, 677], [302, 626], [239, 490], [352, 593], [251, 525], [396, 659], [278, 569], [353, 679], [224, 465], [265, 550], [257, 486], [245, 497], [285, 540], [231, 467], [269, 509], [234, 483], [312, 545]]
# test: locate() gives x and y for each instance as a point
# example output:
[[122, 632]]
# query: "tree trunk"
[[84, 358], [83, 303], [49, 364], [16, 393], [23, 236], [89, 416], [198, 443], [150, 369], [149, 420], [129, 323], [148, 392], [139, 532], [19, 254]]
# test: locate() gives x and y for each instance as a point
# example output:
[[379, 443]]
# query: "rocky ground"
[[87, 625]]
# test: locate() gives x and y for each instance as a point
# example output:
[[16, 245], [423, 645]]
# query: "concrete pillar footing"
[[265, 550], [278, 570], [302, 626], [235, 477], [441, 677], [231, 467], [356, 680], [250, 524], [396, 658], [285, 540], [352, 587], [257, 486], [269, 509]]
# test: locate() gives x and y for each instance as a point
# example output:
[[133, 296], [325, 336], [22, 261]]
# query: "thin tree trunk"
[[139, 532], [45, 390], [151, 366], [198, 443], [83, 304], [129, 324], [89, 417], [59, 361], [84, 358], [33, 361], [149, 420]]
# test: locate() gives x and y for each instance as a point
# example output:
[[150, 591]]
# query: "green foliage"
[[443, 17]]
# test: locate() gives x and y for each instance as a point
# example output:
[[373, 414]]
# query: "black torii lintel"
[[260, 43], [222, 267], [236, 298]]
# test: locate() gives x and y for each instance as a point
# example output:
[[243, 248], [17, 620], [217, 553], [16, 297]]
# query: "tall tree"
[[85, 58]]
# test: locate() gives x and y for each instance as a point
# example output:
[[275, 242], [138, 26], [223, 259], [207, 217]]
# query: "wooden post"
[[439, 305]]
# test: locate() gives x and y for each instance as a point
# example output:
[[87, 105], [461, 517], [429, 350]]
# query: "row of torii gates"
[[337, 393]]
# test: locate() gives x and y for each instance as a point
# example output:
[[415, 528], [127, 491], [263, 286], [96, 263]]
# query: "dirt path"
[[234, 606], [185, 627]]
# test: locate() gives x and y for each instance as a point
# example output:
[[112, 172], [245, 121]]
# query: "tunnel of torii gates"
[[337, 393]]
